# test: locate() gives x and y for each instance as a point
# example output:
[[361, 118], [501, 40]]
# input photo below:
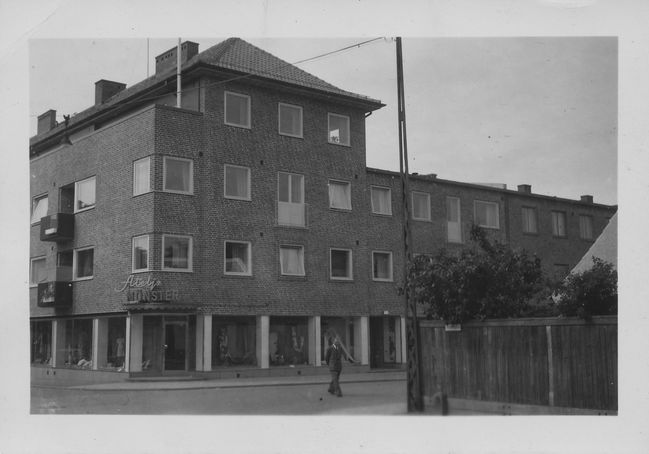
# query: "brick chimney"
[[167, 60], [46, 121], [106, 89], [525, 188], [587, 198]]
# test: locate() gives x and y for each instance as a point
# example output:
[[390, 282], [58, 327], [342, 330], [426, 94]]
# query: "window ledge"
[[174, 270], [292, 277], [85, 209], [341, 210], [381, 215], [237, 276], [341, 280]]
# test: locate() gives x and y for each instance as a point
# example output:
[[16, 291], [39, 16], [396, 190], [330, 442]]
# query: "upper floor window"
[[237, 110], [290, 206], [83, 264], [338, 127], [382, 266], [453, 220], [290, 120], [340, 264], [178, 175], [381, 199], [585, 227], [486, 214], [142, 176], [528, 218], [176, 253], [37, 272], [140, 253], [340, 195], [237, 182], [39, 208], [291, 260], [238, 258], [79, 196], [421, 206], [559, 223]]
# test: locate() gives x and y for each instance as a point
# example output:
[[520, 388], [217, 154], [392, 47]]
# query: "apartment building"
[[241, 230]]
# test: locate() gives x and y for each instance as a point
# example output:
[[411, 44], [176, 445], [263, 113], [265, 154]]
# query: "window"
[[83, 266], [140, 253], [338, 129], [84, 194], [340, 195], [381, 199], [178, 175], [486, 214], [528, 215], [237, 182], [39, 208], [77, 348], [176, 253], [41, 342], [290, 120], [421, 206], [559, 223], [233, 341], [65, 259], [141, 176], [453, 222], [288, 339], [382, 266], [238, 258], [291, 260], [585, 227], [290, 197], [37, 273], [341, 264], [237, 110]]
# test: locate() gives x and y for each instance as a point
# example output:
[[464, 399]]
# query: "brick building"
[[242, 229]]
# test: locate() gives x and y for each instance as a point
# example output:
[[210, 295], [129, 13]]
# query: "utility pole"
[[412, 328]]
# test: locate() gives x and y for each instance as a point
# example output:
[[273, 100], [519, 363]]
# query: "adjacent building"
[[241, 230]]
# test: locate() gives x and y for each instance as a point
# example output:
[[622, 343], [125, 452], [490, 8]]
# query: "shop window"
[[178, 175], [585, 227], [37, 273], [559, 224], [234, 341], [39, 208], [176, 253], [115, 354], [238, 258], [528, 215], [83, 264], [142, 176], [290, 205], [340, 195], [237, 182], [237, 110], [420, 206], [338, 129], [381, 199], [288, 341], [41, 342], [341, 264], [453, 220], [140, 253], [291, 260], [382, 266], [77, 349], [290, 120], [344, 329], [486, 214]]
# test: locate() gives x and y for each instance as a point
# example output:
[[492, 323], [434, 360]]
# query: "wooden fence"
[[550, 364]]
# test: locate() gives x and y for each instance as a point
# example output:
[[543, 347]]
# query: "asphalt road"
[[369, 398]]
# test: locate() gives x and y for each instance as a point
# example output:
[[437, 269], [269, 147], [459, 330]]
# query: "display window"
[[341, 327], [234, 341], [116, 346], [288, 341], [41, 342], [77, 348]]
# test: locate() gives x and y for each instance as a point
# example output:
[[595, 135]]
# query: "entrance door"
[[175, 346], [383, 341]]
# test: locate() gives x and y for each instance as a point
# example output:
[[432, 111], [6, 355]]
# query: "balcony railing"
[[54, 294], [291, 214], [57, 227]]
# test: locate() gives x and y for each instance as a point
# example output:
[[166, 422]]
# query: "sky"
[[516, 110]]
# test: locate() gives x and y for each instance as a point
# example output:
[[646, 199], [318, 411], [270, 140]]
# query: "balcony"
[[57, 227], [291, 214], [54, 294]]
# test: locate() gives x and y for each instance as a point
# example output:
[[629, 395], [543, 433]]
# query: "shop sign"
[[146, 289]]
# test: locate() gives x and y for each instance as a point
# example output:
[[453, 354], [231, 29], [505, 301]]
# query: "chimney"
[[46, 121], [167, 60], [587, 198], [106, 89], [525, 188]]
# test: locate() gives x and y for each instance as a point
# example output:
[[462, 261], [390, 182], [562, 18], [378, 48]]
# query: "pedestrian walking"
[[333, 357]]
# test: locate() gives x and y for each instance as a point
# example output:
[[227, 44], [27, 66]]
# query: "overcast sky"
[[539, 111]]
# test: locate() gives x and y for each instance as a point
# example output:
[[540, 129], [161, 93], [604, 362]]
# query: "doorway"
[[384, 341], [175, 344]]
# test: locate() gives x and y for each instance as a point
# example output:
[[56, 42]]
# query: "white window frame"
[[350, 264], [31, 270], [190, 191], [136, 165], [412, 205], [281, 105], [148, 253], [349, 132], [300, 250], [385, 189], [226, 94], [487, 203], [35, 203], [75, 264], [190, 254], [457, 200], [555, 215], [248, 258], [349, 198], [524, 222], [589, 219], [378, 279], [76, 194], [248, 195]]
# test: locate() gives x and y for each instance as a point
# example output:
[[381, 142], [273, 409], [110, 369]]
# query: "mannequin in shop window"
[[119, 351], [224, 352]]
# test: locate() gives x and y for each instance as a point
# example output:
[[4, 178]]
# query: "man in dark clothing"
[[333, 357]]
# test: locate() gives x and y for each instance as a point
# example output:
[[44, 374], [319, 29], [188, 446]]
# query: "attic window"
[[338, 129], [237, 110]]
